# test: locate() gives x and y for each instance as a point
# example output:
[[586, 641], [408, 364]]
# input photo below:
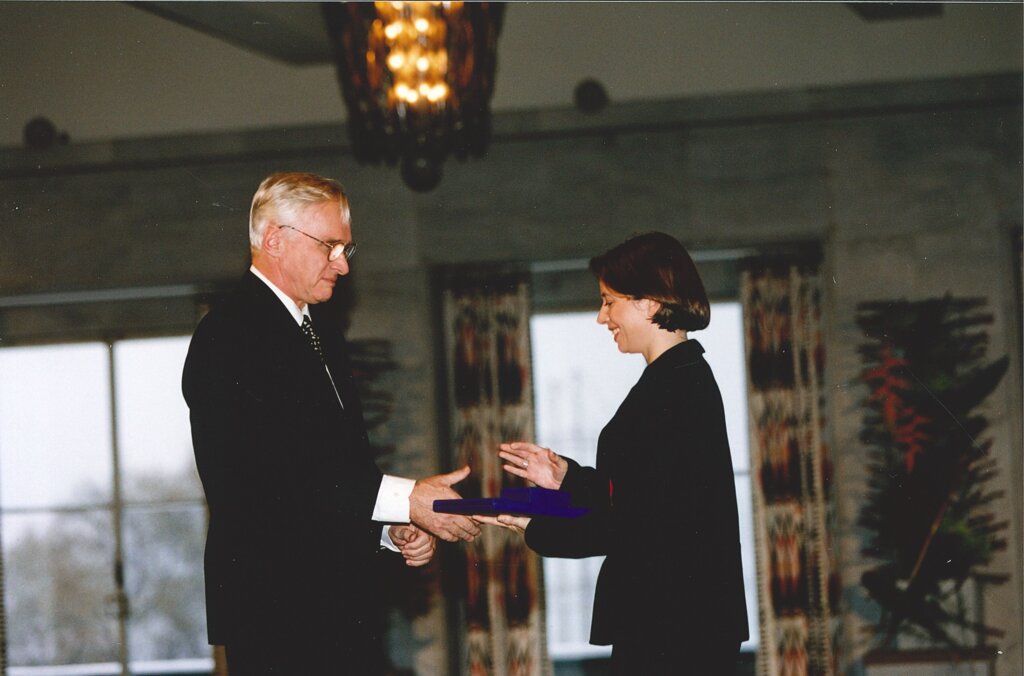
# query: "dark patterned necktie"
[[314, 340]]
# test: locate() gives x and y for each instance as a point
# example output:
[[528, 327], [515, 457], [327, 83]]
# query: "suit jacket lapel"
[[287, 345]]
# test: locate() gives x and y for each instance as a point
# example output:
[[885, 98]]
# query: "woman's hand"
[[540, 465], [513, 523], [416, 545]]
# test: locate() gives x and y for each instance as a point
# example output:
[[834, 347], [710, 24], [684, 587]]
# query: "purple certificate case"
[[519, 501]]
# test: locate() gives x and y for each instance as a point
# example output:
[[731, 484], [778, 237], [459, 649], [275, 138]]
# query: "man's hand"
[[417, 546], [540, 465], [448, 527]]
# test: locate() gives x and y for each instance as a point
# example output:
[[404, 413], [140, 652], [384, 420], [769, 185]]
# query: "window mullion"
[[120, 597]]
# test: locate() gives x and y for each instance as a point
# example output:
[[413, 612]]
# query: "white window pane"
[[55, 434], [569, 597], [745, 504], [581, 378], [164, 582], [152, 418], [59, 589]]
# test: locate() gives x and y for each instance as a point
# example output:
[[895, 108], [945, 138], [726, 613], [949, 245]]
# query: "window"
[[580, 378], [102, 511]]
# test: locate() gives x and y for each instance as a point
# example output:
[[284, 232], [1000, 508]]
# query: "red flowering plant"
[[927, 513]]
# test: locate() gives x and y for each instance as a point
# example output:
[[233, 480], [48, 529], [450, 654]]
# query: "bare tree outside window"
[[60, 532]]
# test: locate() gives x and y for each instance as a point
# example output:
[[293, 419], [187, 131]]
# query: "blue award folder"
[[519, 501]]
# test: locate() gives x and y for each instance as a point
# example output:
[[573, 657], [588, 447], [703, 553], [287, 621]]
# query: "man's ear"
[[273, 243]]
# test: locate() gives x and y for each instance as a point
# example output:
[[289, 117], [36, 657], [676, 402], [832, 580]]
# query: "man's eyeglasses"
[[334, 249]]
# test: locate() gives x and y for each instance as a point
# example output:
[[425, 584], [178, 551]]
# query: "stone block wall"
[[913, 191]]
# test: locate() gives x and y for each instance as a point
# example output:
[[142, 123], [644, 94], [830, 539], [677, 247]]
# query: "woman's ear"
[[651, 308]]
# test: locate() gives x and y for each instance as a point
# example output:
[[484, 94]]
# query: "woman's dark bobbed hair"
[[657, 267]]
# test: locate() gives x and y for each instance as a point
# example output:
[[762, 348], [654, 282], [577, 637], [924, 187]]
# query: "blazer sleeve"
[[588, 486], [674, 482], [582, 536]]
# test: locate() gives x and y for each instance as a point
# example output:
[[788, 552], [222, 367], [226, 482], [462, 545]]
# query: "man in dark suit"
[[298, 508]]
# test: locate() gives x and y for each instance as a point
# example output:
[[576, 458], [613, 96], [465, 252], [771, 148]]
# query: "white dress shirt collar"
[[296, 312]]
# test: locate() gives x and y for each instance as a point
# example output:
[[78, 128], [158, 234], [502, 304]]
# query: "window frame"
[[116, 510]]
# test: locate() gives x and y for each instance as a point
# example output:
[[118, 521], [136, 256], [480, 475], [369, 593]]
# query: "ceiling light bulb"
[[437, 92], [396, 60]]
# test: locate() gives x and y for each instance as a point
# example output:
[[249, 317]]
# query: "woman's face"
[[629, 320]]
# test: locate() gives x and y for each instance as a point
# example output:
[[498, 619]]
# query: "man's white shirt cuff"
[[392, 504], [385, 539]]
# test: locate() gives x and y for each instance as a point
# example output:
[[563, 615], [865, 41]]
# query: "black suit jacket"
[[664, 512], [289, 477]]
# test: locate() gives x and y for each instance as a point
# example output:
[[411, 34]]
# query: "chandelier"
[[417, 79]]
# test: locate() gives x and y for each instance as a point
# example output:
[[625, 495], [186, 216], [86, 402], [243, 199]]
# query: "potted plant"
[[928, 512]]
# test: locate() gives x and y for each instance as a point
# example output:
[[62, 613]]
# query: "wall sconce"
[[417, 79]]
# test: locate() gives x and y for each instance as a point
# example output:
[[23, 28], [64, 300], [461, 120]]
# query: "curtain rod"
[[710, 255]]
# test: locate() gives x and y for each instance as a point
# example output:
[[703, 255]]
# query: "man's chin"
[[320, 294], [325, 289]]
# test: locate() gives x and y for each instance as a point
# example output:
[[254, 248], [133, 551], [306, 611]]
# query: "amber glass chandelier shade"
[[417, 79]]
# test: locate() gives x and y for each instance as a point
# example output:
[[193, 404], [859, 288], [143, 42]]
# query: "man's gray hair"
[[281, 197]]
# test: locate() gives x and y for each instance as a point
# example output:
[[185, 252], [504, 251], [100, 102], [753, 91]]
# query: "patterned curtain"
[[793, 512], [486, 339]]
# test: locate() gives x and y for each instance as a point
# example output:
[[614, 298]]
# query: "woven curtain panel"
[[487, 342], [793, 510]]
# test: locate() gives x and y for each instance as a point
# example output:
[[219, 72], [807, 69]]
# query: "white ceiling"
[[295, 32]]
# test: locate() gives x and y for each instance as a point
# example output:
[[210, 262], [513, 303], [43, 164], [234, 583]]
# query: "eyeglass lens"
[[338, 250]]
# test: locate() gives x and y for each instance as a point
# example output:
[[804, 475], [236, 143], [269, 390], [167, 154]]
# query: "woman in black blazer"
[[669, 597]]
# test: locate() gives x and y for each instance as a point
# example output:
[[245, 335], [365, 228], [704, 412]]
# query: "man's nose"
[[340, 265]]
